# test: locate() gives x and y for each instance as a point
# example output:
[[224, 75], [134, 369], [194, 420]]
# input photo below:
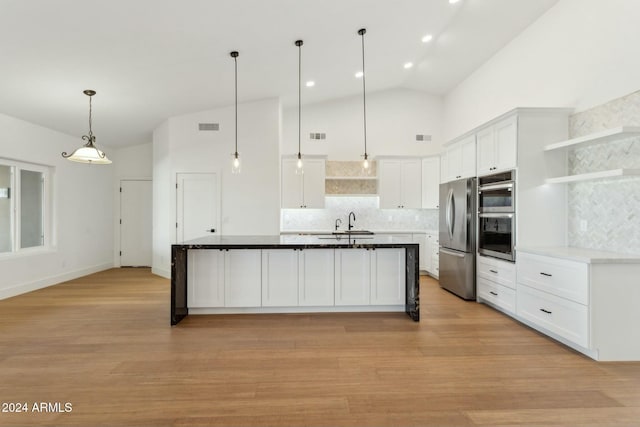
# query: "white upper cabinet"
[[430, 182], [400, 183], [497, 146], [459, 159], [303, 190]]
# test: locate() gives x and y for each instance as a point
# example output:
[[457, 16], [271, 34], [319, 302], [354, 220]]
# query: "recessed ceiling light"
[[310, 83], [427, 38], [453, 1], [408, 65], [359, 74]]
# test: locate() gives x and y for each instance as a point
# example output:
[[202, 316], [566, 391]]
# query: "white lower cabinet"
[[352, 276], [279, 278], [316, 277], [205, 273], [387, 276], [568, 319], [424, 251], [496, 283], [242, 278]]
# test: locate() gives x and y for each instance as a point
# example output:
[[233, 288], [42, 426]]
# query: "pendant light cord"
[[235, 61], [299, 43], [90, 131], [364, 94]]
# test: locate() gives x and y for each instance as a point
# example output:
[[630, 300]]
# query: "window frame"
[[15, 206]]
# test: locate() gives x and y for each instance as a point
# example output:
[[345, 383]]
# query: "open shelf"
[[595, 138], [614, 173]]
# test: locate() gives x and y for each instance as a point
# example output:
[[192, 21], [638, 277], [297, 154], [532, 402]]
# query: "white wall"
[[394, 117], [83, 211], [581, 53], [134, 162], [250, 201]]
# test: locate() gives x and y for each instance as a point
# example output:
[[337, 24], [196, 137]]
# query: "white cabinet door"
[[352, 276], [486, 151], [411, 184], [205, 278], [444, 167], [430, 182], [313, 183], [242, 276], [316, 277], [388, 276], [468, 157], [454, 162], [390, 183], [291, 184], [279, 278], [506, 140]]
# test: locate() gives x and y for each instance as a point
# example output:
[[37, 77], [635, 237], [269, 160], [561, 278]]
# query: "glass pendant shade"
[[235, 164], [299, 165]]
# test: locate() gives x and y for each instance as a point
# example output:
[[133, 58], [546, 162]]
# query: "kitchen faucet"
[[354, 220], [338, 222]]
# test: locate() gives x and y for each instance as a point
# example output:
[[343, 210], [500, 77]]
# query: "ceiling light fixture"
[[299, 164], [427, 38], [408, 65], [365, 163], [310, 83], [235, 166], [453, 1], [359, 74], [88, 153]]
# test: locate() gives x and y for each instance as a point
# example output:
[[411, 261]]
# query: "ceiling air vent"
[[316, 135], [208, 126], [423, 138]]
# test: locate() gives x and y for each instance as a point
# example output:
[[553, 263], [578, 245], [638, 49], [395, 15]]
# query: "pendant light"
[[299, 164], [88, 153], [235, 165], [366, 167]]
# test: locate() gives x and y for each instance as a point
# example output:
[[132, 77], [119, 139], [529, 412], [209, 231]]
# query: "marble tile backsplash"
[[368, 216], [604, 214]]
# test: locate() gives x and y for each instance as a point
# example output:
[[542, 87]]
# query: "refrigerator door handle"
[[444, 251], [451, 208]]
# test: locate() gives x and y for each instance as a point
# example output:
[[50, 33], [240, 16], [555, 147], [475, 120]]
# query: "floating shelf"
[[614, 173], [344, 178], [595, 138]]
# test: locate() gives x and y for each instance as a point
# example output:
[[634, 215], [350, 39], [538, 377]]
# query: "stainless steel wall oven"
[[497, 216]]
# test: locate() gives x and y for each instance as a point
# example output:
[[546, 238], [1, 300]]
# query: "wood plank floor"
[[103, 343]]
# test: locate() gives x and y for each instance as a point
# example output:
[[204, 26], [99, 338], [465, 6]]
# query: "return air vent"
[[313, 135], [208, 126], [423, 138]]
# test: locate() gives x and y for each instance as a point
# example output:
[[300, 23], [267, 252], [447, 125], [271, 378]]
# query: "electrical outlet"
[[390, 218], [583, 225]]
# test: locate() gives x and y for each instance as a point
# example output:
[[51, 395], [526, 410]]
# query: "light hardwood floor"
[[103, 343]]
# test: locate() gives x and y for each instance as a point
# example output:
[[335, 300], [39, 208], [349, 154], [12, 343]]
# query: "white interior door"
[[198, 205], [135, 223]]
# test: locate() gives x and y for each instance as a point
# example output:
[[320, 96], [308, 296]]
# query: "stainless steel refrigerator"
[[458, 237]]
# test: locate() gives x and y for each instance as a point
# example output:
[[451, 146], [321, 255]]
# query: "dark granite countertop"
[[296, 242]]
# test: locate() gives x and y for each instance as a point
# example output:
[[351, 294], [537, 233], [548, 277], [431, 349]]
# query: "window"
[[24, 201]]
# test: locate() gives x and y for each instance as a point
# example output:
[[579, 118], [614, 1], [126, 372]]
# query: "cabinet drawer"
[[501, 272], [566, 279], [567, 319], [498, 295]]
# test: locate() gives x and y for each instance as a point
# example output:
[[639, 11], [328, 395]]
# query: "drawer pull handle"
[[546, 274], [545, 311], [493, 293], [494, 271]]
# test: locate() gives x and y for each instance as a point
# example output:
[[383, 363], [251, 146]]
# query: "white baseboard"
[[161, 272], [52, 280]]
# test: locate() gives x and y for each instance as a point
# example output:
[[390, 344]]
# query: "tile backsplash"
[[604, 214], [368, 216]]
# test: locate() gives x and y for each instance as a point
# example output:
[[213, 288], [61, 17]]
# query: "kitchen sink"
[[353, 233], [339, 237]]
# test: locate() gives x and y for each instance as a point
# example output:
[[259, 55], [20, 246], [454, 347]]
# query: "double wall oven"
[[497, 215]]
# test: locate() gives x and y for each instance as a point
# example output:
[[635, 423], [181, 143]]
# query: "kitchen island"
[[294, 274]]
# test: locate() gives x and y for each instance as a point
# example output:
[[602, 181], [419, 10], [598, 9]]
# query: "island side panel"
[[412, 280], [179, 309]]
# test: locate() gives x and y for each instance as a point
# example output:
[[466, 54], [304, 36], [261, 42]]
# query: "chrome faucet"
[[338, 222], [354, 220]]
